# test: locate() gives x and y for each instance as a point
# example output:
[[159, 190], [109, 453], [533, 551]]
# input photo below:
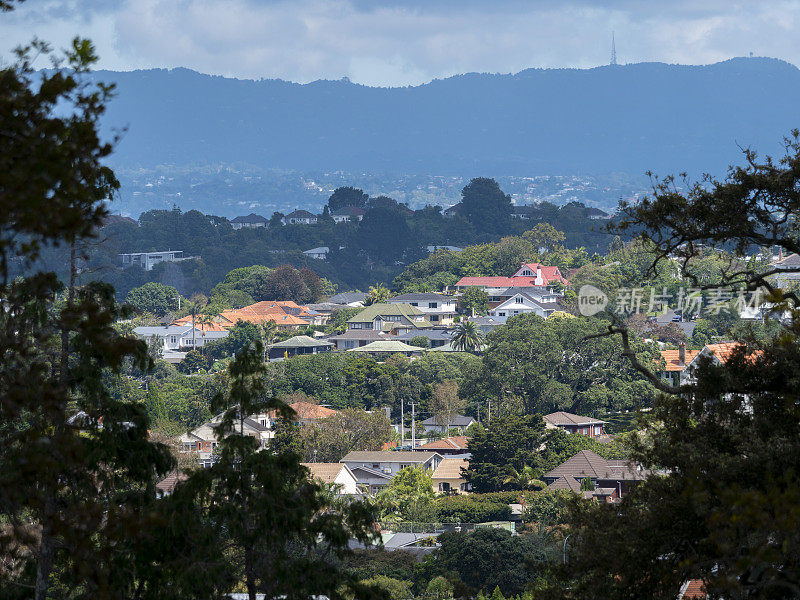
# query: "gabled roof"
[[565, 483], [301, 341], [369, 471], [672, 358], [166, 485], [457, 420], [389, 457], [565, 418], [327, 472], [300, 214], [455, 442], [348, 297], [789, 262], [550, 274], [387, 346], [450, 468], [309, 411], [386, 309], [251, 218], [588, 464]]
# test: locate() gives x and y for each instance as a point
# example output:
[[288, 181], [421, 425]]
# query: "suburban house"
[[609, 478], [299, 217], [374, 470], [791, 265], [385, 348], [166, 486], [320, 253], [440, 309], [351, 299], [307, 412], [203, 440], [681, 363], [522, 303], [251, 221], [334, 474], [299, 344], [148, 260], [348, 214], [572, 423], [458, 422], [323, 310], [498, 296], [447, 477], [356, 338], [528, 275], [436, 337], [454, 445], [286, 314], [390, 318], [182, 337], [487, 324]]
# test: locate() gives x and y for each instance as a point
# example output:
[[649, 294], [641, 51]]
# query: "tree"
[[269, 513], [705, 516], [439, 589], [347, 196], [420, 341], [445, 402], [524, 479], [467, 337], [410, 493], [76, 466], [240, 336], [474, 301], [485, 205], [329, 440], [545, 237], [511, 442], [384, 235], [395, 589], [313, 283], [276, 220], [376, 294], [284, 283], [153, 297]]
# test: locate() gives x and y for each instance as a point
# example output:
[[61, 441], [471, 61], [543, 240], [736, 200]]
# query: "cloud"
[[403, 42]]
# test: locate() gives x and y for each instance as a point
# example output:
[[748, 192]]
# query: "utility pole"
[[413, 428], [489, 419], [402, 424]]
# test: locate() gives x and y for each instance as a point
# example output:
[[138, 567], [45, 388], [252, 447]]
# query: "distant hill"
[[667, 118]]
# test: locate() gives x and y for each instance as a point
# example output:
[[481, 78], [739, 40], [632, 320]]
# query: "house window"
[[597, 430], [413, 304], [376, 465], [173, 339], [527, 273], [357, 326], [518, 300], [433, 305], [349, 344], [502, 314], [434, 317], [444, 486], [393, 318]]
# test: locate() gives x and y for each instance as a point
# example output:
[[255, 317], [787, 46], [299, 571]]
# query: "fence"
[[415, 527]]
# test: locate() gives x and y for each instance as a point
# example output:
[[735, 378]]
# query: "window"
[[501, 314], [519, 300], [434, 318], [433, 305], [527, 273], [376, 465], [413, 304], [393, 318], [597, 430], [349, 344], [444, 486], [173, 339], [356, 325]]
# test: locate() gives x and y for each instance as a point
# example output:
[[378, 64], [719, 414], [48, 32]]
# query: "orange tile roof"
[[694, 589], [307, 410], [456, 442], [279, 318], [187, 320], [671, 358]]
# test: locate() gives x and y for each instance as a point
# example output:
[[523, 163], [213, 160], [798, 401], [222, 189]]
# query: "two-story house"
[[609, 479], [572, 423], [390, 318], [374, 470], [440, 309], [521, 303]]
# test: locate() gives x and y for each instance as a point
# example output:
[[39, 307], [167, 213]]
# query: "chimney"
[[780, 253], [682, 353]]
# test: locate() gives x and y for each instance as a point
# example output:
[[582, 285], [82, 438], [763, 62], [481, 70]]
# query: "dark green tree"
[[347, 196], [466, 337], [240, 336], [384, 235], [474, 301], [485, 205], [154, 297]]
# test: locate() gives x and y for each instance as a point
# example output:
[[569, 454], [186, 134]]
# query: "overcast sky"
[[405, 42]]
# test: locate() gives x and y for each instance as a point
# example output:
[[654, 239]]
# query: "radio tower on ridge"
[[613, 50]]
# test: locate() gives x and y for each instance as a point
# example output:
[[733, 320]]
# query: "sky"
[[404, 42]]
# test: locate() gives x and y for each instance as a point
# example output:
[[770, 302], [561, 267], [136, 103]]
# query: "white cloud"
[[385, 42]]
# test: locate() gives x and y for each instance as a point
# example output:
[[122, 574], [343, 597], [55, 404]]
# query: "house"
[[790, 266], [202, 441], [166, 486], [447, 477], [356, 338], [542, 295], [374, 470], [487, 324], [323, 310], [528, 275], [436, 337], [385, 348], [523, 303], [299, 344], [286, 314], [320, 253], [395, 318], [334, 474], [348, 214], [182, 337], [572, 423], [458, 422], [448, 446], [351, 299], [251, 221], [450, 347], [440, 309], [299, 217], [681, 363], [148, 260], [308, 412], [611, 478]]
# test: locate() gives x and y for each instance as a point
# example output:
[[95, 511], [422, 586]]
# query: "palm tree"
[[193, 306], [377, 293], [267, 330], [525, 479], [466, 337]]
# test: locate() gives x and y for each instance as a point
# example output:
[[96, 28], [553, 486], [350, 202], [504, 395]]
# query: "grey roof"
[[162, 331], [382, 309], [487, 320], [362, 334], [300, 214], [449, 347], [388, 346], [790, 262], [588, 464], [564, 418], [255, 425], [251, 218], [347, 297], [421, 297], [388, 456], [301, 341], [431, 334], [458, 421], [317, 250], [324, 306]]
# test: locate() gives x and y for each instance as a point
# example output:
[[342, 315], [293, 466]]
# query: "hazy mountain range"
[[666, 118]]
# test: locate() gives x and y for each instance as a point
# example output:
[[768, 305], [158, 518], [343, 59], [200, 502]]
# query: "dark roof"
[[251, 218], [565, 418], [458, 421], [347, 297], [301, 214], [422, 297], [790, 262], [588, 464], [168, 484], [255, 425], [431, 334]]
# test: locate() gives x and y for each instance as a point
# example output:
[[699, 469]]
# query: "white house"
[[439, 309], [148, 260], [299, 217], [334, 474], [459, 422], [348, 214], [522, 303], [374, 470], [179, 338], [320, 253], [251, 221]]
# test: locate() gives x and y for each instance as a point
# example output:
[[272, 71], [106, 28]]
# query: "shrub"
[[547, 508], [471, 509]]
